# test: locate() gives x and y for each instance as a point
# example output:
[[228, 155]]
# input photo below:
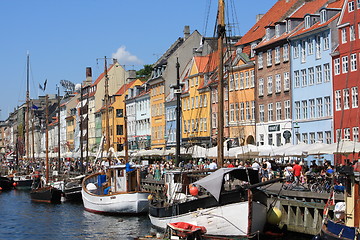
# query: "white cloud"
[[125, 57]]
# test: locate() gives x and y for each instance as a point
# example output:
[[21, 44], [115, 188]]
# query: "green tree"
[[144, 72]]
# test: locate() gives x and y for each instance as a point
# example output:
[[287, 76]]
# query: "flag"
[[45, 84], [35, 107], [43, 87]]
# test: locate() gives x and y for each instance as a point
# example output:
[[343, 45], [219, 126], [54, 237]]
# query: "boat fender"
[[0, 188], [274, 216], [150, 197], [14, 184], [194, 191], [91, 187]]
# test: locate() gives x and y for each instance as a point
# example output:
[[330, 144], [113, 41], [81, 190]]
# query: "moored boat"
[[22, 182], [5, 184], [116, 192], [40, 192]]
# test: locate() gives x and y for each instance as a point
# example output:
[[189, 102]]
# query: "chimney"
[[259, 16], [88, 75], [115, 60], [132, 75], [186, 32]]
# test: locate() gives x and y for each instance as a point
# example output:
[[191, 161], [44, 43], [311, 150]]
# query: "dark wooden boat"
[[23, 182], [5, 184], [46, 194], [72, 189]]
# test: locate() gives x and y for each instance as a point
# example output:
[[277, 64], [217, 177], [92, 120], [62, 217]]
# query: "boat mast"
[[81, 131], [221, 35], [58, 100], [27, 107], [107, 130], [126, 147], [47, 138], [178, 110]]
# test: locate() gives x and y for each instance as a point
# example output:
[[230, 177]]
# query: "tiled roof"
[[336, 4], [275, 14], [315, 26], [309, 8], [101, 76], [124, 87]]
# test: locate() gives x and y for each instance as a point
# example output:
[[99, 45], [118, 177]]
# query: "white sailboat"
[[116, 191]]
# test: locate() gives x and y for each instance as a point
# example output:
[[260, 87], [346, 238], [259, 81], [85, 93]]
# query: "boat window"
[[120, 173]]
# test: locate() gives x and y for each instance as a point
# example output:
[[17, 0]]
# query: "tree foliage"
[[144, 72]]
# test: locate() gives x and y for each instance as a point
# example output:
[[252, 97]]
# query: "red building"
[[346, 78]]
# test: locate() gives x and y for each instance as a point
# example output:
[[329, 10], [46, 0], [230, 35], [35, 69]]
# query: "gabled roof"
[[276, 14], [309, 8], [124, 87], [337, 4], [315, 26], [102, 75]]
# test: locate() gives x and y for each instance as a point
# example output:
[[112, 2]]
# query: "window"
[[353, 62], [304, 77], [303, 51], [205, 101], [327, 106], [286, 81], [232, 112], [247, 83], [297, 110], [269, 57], [287, 109], [307, 22], [304, 109], [237, 81], [297, 79], [277, 30], [337, 66], [242, 80], [286, 53], [318, 75], [312, 108], [327, 72], [328, 137], [305, 138], [346, 95], [358, 3], [252, 53], [270, 139], [326, 42], [260, 60], [185, 129], [119, 112], [197, 102], [354, 97], [296, 50], [277, 55], [278, 83], [318, 46], [214, 120], [278, 111], [347, 133], [192, 103], [242, 111], [270, 112], [351, 6], [205, 124], [288, 27], [119, 130], [343, 35], [310, 46], [252, 110], [338, 135], [252, 78], [337, 100], [320, 137], [355, 134], [359, 26], [261, 113], [231, 84], [311, 76], [261, 136], [261, 87], [352, 33], [312, 137], [319, 107], [269, 85], [248, 115], [323, 16]]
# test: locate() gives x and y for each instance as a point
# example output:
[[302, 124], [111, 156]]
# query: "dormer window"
[[288, 27], [252, 53], [277, 30], [307, 22], [268, 34], [323, 16]]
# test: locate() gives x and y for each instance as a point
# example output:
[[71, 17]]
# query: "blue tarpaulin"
[[128, 168]]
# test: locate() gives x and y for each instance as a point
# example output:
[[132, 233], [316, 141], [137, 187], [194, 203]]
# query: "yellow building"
[[242, 100], [70, 132], [117, 116], [196, 107], [157, 105]]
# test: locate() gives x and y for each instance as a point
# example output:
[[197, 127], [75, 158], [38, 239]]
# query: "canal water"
[[22, 219]]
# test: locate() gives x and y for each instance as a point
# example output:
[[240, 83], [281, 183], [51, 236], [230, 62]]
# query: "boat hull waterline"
[[228, 220], [118, 203], [46, 194]]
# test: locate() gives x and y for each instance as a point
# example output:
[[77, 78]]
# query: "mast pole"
[[81, 131], [47, 138], [107, 130], [126, 146], [33, 136], [220, 88], [59, 156], [178, 110], [27, 107]]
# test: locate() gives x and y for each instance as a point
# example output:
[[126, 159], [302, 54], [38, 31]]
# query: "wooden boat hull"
[[227, 220], [73, 193], [5, 184], [47, 194], [117, 203], [24, 184]]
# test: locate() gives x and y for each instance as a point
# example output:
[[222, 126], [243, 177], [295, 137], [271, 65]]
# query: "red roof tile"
[[275, 14], [336, 4], [309, 8], [101, 76]]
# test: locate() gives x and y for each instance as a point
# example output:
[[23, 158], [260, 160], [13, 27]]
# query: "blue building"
[[311, 75]]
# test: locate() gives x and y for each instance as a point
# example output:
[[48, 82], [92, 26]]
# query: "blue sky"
[[64, 37]]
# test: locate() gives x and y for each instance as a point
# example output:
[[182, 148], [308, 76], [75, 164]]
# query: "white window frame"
[[278, 111], [269, 57], [338, 104], [351, 6], [252, 78], [318, 46], [345, 64], [296, 50], [286, 52], [269, 85], [353, 62], [286, 81], [343, 35], [354, 97], [277, 55], [311, 76], [270, 112], [261, 87], [277, 83], [327, 105], [312, 108], [352, 33], [337, 66], [327, 73], [303, 78], [304, 104], [347, 134], [260, 60], [355, 131], [297, 110], [310, 45], [346, 98], [319, 107], [296, 79], [261, 113], [287, 109], [303, 51], [318, 74]]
